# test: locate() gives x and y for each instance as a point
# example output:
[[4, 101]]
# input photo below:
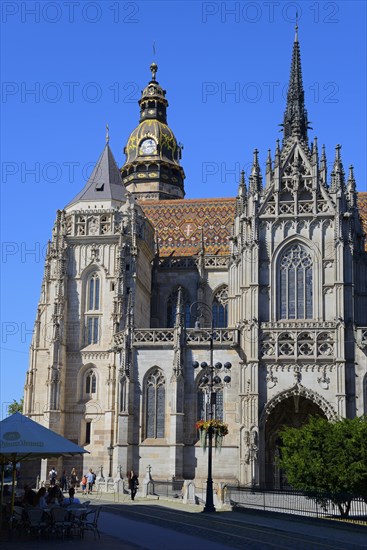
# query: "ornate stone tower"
[[152, 169], [297, 283], [96, 280]]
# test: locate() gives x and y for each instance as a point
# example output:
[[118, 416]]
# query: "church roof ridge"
[[177, 202]]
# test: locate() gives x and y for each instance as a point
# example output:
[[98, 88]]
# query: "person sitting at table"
[[54, 497], [71, 500], [29, 497], [40, 501]]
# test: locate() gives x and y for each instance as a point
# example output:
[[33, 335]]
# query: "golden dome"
[[166, 147]]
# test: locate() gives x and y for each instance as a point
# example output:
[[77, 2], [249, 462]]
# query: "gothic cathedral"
[[281, 269]]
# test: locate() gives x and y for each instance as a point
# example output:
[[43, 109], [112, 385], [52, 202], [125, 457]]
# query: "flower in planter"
[[218, 429]]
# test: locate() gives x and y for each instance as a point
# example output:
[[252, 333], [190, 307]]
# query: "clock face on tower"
[[148, 147]]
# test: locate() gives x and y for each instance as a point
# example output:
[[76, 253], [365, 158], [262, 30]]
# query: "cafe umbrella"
[[24, 439]]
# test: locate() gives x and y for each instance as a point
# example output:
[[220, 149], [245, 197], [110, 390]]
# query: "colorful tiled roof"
[[181, 225]]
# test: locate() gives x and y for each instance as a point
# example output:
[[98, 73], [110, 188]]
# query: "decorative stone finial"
[[107, 134], [154, 69]]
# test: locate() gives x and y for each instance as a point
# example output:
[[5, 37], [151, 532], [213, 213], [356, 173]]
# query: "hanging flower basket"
[[218, 429]]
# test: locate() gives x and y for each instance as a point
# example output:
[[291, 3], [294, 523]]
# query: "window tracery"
[[155, 395], [93, 305], [90, 382], [295, 284], [220, 308]]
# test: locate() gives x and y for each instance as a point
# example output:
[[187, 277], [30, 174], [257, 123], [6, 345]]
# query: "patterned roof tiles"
[[181, 225]]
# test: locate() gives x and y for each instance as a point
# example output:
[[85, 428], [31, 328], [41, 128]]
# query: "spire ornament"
[[255, 180], [242, 186], [154, 69], [338, 174], [107, 134], [351, 187]]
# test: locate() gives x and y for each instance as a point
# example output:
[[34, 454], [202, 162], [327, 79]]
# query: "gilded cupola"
[[152, 168]]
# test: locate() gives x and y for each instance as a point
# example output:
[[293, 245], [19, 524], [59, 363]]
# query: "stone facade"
[[282, 267]]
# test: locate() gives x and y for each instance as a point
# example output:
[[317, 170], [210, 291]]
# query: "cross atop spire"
[[295, 116]]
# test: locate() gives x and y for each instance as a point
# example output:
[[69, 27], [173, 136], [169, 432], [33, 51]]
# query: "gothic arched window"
[[123, 395], [90, 382], [295, 283], [172, 308], [220, 308], [93, 305], [155, 397], [93, 292]]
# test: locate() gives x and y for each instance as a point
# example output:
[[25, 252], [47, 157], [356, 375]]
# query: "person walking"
[[52, 475], [84, 484], [64, 481], [90, 479], [73, 478], [133, 483]]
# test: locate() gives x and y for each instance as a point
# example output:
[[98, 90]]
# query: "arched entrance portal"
[[292, 411]]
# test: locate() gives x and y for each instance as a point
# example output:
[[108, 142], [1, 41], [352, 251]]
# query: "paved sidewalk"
[[123, 532]]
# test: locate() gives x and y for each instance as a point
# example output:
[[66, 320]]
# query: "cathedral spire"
[[295, 116]]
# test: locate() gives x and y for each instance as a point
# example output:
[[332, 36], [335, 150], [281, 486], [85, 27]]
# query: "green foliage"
[[16, 406], [327, 457]]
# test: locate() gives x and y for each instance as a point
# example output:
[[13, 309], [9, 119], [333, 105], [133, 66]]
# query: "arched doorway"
[[293, 411]]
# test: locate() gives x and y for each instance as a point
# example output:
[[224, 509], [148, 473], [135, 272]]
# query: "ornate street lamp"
[[110, 454], [211, 382]]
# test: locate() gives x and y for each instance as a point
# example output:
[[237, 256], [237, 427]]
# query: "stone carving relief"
[[271, 379], [293, 344], [323, 380]]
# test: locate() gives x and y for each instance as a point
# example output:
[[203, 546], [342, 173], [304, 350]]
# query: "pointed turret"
[[242, 191], [351, 187], [338, 174], [295, 116], [104, 183], [269, 170], [315, 152], [179, 309], [277, 155], [255, 180], [242, 194], [323, 167]]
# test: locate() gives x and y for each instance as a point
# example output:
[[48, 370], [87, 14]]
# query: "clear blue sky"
[[86, 63]]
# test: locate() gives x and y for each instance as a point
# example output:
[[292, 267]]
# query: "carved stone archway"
[[292, 407]]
